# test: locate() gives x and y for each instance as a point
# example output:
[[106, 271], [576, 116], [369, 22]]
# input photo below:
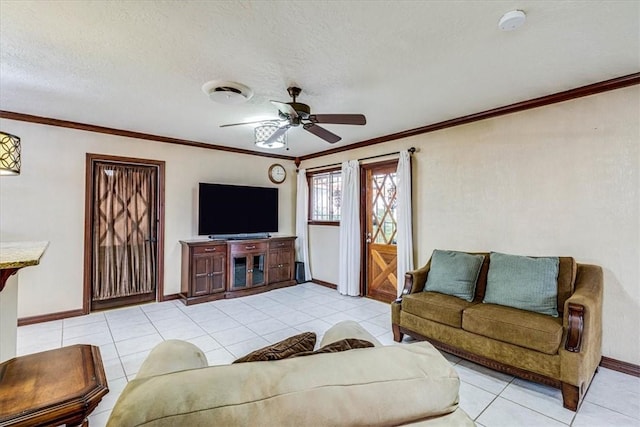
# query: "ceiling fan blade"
[[247, 123], [339, 119], [277, 134], [286, 109], [321, 132]]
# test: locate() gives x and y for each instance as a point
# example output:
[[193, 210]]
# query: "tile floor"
[[228, 329]]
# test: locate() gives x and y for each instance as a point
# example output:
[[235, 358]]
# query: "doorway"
[[380, 228], [124, 223]]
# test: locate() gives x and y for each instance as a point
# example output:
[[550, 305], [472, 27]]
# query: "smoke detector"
[[512, 20], [227, 92]]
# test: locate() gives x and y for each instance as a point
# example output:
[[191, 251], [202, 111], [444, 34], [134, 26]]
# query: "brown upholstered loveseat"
[[563, 352]]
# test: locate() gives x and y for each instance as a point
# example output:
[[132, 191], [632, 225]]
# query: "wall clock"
[[277, 173]]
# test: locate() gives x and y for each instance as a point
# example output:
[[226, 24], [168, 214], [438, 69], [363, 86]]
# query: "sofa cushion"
[[435, 306], [281, 350], [527, 329], [523, 282], [454, 273]]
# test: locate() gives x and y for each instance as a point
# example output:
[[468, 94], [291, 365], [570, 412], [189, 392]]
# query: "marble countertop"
[[21, 254]]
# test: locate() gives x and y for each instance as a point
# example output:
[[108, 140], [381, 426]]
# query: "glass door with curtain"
[[124, 230], [379, 182]]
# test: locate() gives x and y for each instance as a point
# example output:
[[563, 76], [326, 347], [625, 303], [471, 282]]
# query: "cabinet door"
[[281, 260], [275, 266], [247, 270], [200, 278], [239, 271], [218, 272], [257, 271], [247, 267], [286, 264]]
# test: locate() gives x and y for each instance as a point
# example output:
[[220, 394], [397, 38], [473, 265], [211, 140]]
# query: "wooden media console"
[[216, 269]]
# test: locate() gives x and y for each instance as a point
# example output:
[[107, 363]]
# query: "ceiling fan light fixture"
[[230, 93], [271, 134], [263, 133]]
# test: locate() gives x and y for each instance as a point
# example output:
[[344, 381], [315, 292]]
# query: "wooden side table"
[[61, 386]]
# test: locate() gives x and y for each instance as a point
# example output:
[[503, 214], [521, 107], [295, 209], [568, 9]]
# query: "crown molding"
[[11, 115], [592, 89]]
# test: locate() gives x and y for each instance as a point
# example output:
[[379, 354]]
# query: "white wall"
[[46, 202], [324, 263], [8, 319], [557, 180]]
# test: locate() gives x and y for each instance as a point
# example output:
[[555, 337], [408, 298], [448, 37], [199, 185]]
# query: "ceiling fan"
[[293, 114]]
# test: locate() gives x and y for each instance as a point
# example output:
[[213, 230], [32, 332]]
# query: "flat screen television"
[[236, 209]]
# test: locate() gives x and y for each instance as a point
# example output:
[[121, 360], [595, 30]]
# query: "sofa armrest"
[[415, 280], [575, 329], [582, 350], [583, 310]]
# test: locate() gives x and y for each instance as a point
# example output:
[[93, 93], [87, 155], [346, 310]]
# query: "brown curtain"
[[124, 228]]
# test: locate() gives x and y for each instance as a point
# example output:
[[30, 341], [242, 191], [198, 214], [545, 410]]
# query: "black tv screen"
[[236, 209]]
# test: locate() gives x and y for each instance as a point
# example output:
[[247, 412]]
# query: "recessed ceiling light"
[[227, 92], [512, 20]]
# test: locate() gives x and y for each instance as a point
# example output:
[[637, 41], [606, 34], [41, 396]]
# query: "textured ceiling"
[[140, 65]]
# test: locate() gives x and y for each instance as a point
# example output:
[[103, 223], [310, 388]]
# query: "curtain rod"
[[410, 150]]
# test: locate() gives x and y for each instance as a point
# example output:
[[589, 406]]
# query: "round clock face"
[[277, 173]]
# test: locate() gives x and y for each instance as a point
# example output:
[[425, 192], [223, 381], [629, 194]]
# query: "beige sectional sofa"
[[563, 352], [410, 384]]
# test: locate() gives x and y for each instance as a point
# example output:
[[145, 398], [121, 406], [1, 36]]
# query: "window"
[[324, 196]]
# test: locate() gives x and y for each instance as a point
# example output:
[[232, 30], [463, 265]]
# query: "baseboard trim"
[[169, 297], [325, 284], [620, 366], [23, 321]]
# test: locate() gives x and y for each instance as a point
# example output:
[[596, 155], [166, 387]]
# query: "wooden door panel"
[[218, 272], [201, 270], [382, 272], [274, 258], [381, 228], [275, 275]]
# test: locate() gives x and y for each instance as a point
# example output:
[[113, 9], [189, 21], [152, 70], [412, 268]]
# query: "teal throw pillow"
[[523, 282], [454, 273]]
